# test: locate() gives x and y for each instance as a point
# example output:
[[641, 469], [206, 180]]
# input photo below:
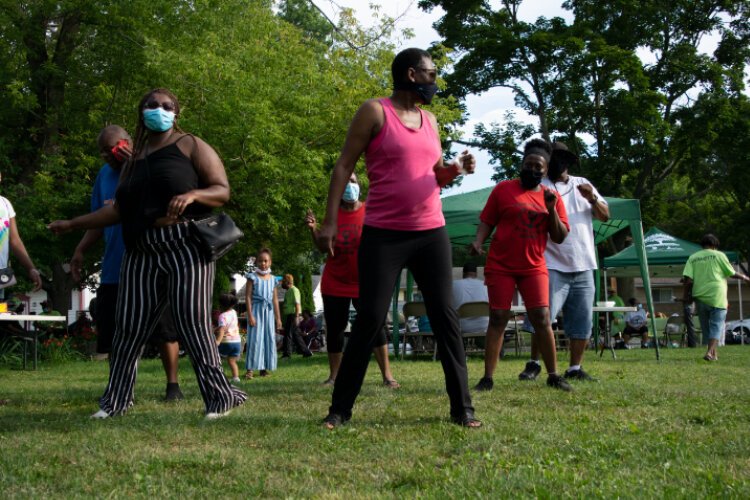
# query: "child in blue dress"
[[262, 316]]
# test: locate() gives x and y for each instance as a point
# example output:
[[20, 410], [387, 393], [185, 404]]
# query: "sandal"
[[249, 375], [329, 382], [334, 420], [708, 357], [467, 419], [391, 384], [265, 373]]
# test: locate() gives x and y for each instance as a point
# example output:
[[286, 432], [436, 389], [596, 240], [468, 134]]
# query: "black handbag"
[[216, 235], [7, 278]]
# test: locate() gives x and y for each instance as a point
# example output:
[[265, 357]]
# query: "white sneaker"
[[101, 414], [236, 380], [215, 415]]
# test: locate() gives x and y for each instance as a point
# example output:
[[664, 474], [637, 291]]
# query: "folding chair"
[[474, 310], [675, 327], [415, 310]]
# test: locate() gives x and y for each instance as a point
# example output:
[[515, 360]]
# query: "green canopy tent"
[[666, 255], [462, 218]]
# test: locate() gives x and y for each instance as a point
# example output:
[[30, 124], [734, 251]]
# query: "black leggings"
[[336, 311], [382, 255]]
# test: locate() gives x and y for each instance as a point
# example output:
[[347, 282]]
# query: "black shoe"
[[578, 375], [485, 384], [531, 372], [334, 420], [308, 354], [558, 382], [173, 392]]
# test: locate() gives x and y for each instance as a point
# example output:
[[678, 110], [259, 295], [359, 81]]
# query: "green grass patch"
[[677, 428]]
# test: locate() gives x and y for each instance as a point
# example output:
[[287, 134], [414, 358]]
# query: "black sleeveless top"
[[144, 195]]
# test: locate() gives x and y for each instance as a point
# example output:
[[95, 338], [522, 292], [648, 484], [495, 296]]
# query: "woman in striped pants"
[[169, 177]]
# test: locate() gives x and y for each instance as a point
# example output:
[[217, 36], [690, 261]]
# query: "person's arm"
[[220, 331], [105, 216], [20, 253], [312, 225], [741, 276], [599, 209], [483, 231], [446, 173], [558, 230], [249, 302], [687, 289], [211, 174], [276, 310], [76, 262], [367, 120], [298, 304]]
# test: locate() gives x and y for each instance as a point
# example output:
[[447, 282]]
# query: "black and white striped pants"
[[166, 267]]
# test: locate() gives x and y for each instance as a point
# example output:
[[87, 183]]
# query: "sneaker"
[[308, 354], [558, 382], [578, 375], [217, 415], [236, 380], [485, 384], [100, 415], [173, 392], [531, 372]]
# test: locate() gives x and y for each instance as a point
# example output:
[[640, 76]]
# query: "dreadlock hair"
[[141, 132]]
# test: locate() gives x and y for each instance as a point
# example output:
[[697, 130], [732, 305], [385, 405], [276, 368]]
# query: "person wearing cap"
[[525, 215], [571, 263], [291, 311], [470, 289]]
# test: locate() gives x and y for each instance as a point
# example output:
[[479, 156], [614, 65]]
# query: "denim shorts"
[[230, 349], [573, 293], [712, 320]]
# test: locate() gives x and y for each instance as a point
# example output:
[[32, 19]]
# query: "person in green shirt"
[[705, 276], [291, 311]]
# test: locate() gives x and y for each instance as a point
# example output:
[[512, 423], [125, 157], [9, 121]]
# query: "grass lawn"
[[678, 428]]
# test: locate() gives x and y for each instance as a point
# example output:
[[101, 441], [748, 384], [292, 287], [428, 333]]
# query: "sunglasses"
[[166, 106]]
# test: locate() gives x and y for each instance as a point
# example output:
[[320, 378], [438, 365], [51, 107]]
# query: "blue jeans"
[[573, 293], [712, 320]]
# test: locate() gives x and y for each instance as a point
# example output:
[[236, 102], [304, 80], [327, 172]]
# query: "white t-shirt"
[[228, 319], [636, 319], [470, 290], [6, 214], [578, 252]]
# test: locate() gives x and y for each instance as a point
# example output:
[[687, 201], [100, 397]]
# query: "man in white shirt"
[[470, 289], [571, 264]]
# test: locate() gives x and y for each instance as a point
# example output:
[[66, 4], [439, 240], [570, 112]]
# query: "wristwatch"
[[593, 202]]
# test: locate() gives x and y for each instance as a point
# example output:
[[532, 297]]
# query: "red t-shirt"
[[341, 275], [522, 225]]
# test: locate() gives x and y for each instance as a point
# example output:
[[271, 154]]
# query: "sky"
[[485, 108]]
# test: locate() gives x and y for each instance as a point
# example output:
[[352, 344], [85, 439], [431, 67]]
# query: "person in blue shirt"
[[115, 147]]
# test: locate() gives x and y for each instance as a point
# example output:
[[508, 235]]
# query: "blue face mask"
[[158, 120], [351, 193]]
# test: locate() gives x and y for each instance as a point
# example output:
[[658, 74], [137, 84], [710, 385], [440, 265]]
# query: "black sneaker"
[[558, 382], [485, 384], [578, 375], [173, 393], [531, 372]]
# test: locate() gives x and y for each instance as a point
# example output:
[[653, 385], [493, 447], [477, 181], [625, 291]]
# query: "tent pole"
[[739, 293]]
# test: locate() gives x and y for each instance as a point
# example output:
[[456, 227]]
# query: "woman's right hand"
[[475, 248], [310, 220], [251, 320], [326, 238], [59, 227]]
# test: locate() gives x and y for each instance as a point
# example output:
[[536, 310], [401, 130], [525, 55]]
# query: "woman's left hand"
[[278, 325], [179, 203]]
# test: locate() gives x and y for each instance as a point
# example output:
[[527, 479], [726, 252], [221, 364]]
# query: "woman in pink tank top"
[[404, 227]]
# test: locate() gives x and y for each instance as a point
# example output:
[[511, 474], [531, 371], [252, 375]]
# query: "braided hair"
[[141, 132]]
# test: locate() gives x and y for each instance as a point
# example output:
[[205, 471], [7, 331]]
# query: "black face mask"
[[425, 91], [530, 178]]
